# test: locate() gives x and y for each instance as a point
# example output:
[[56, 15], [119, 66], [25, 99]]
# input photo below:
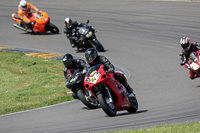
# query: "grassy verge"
[[181, 128], [30, 82]]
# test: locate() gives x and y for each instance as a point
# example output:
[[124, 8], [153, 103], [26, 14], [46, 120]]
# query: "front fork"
[[109, 100]]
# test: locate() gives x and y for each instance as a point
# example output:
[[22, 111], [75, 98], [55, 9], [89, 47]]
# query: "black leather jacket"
[[186, 54], [77, 64], [108, 66], [72, 30]]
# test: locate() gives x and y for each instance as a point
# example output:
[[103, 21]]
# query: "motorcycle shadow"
[[44, 33], [127, 113], [86, 108], [83, 51]]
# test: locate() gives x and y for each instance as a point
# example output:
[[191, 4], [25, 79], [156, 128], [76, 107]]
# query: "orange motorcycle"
[[41, 23]]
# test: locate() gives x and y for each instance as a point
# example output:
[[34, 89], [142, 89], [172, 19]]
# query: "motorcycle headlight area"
[[194, 66], [93, 79], [89, 34]]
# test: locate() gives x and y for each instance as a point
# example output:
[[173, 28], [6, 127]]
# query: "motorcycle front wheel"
[[108, 107], [98, 46], [91, 103], [134, 106], [51, 27]]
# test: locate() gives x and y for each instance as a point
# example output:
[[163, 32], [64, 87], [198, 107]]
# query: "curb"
[[28, 52], [51, 56]]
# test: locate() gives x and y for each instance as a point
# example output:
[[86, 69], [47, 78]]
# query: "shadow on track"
[[44, 33], [127, 113]]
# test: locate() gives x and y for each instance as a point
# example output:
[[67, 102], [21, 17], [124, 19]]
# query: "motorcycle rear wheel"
[[53, 28], [108, 108], [82, 96]]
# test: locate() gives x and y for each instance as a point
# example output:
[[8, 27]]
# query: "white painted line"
[[39, 108]]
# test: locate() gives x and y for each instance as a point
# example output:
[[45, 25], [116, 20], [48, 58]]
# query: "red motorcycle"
[[194, 63], [111, 94], [42, 23]]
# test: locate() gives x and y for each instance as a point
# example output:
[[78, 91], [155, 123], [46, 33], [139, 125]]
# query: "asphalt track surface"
[[140, 35]]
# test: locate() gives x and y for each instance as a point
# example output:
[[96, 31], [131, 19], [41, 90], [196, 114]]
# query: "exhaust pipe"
[[19, 27]]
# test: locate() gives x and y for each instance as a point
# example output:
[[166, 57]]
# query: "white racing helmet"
[[23, 4]]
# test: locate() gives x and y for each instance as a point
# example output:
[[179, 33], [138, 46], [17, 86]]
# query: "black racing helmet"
[[91, 54], [68, 60]]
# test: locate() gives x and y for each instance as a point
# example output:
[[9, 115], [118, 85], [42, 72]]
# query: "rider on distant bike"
[[93, 58], [70, 31], [24, 10], [187, 48], [71, 63]]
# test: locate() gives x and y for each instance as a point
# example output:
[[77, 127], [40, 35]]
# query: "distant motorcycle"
[[76, 84], [87, 38], [111, 94], [41, 20]]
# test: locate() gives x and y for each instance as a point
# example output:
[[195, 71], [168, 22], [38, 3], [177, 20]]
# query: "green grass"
[[30, 82], [181, 128]]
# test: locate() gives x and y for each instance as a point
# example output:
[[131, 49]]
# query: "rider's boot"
[[73, 45], [28, 27], [129, 91]]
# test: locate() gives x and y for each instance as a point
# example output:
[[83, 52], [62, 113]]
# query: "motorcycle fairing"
[[116, 88]]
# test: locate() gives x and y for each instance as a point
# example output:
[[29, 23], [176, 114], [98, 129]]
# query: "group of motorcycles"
[[100, 88], [96, 87], [86, 34]]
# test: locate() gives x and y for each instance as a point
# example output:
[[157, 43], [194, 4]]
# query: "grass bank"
[[30, 82], [180, 128]]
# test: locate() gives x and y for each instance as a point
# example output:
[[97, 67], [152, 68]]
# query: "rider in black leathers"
[[93, 58], [71, 63], [187, 48], [70, 31]]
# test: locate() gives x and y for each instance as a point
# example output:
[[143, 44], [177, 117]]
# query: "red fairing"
[[180, 52], [101, 77]]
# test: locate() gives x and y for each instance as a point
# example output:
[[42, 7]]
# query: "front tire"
[[53, 28], [98, 46], [90, 104], [108, 108], [134, 106]]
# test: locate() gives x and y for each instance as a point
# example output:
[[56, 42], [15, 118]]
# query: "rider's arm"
[[78, 24], [197, 44], [184, 59], [23, 16], [65, 72], [83, 66], [33, 7], [67, 32], [109, 67]]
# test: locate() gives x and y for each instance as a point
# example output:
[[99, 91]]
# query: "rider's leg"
[[72, 42], [120, 77]]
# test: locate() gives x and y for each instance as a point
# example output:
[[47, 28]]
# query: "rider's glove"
[[32, 23], [84, 71], [182, 63], [110, 70]]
